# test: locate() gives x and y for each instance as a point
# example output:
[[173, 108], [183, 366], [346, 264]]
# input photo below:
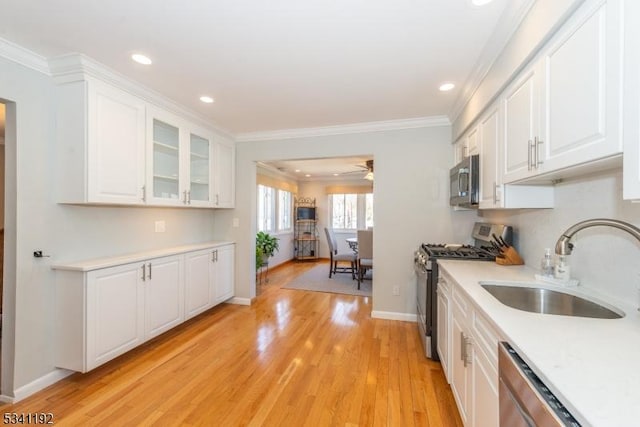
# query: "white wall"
[[410, 193], [64, 232], [604, 258]]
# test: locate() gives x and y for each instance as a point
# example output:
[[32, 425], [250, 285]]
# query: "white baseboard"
[[36, 385], [389, 315], [239, 301]]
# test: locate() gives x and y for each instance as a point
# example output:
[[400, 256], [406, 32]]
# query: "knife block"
[[510, 257]]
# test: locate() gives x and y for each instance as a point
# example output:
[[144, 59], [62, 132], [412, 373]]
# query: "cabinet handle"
[[217, 199], [213, 256], [189, 197], [216, 255], [149, 271], [529, 161], [495, 190], [144, 193], [537, 148], [184, 197], [467, 353], [144, 272], [463, 348]]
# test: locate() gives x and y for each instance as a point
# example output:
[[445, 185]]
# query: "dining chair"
[[365, 253], [336, 257]]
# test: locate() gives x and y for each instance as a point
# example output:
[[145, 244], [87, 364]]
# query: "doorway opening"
[[340, 193]]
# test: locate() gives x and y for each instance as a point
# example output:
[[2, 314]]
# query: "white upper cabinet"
[[225, 172], [165, 152], [180, 159], [100, 137], [564, 109], [113, 147], [631, 131], [490, 179], [581, 88], [521, 107]]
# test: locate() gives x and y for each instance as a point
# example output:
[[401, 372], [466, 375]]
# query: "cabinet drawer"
[[461, 303], [486, 337]]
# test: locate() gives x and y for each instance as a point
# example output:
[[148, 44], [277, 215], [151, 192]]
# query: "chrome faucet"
[[564, 246]]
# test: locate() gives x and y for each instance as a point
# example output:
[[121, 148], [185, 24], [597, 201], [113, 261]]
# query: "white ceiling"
[[339, 168], [274, 65]]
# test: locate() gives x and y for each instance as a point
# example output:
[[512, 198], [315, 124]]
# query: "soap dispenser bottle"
[[546, 264], [562, 269]]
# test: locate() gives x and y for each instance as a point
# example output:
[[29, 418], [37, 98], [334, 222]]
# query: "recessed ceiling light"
[[446, 87], [307, 175], [336, 174], [141, 59], [298, 170], [480, 2], [206, 99]]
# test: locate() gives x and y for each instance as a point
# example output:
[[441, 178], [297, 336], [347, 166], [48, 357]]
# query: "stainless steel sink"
[[548, 301]]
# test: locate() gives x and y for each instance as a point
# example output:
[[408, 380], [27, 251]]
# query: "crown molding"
[[419, 122], [23, 56], [509, 22], [75, 67]]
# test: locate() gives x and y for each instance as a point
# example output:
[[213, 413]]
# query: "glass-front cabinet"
[[180, 162], [199, 191], [166, 161]]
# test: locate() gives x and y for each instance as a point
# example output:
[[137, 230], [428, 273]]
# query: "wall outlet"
[[160, 226], [396, 290]]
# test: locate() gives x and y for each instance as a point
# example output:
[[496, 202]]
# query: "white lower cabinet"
[[443, 326], [163, 295], [104, 312], [473, 347], [223, 273], [209, 278], [114, 315]]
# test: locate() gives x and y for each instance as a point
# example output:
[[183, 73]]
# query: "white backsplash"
[[604, 258]]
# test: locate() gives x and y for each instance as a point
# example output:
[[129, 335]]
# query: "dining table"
[[353, 243]]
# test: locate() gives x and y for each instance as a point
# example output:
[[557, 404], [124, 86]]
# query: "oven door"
[[421, 306]]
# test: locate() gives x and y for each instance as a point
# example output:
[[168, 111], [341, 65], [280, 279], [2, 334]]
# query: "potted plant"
[[266, 246]]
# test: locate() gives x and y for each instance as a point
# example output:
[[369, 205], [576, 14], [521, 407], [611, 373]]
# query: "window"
[[266, 208], [285, 210], [275, 209], [351, 211]]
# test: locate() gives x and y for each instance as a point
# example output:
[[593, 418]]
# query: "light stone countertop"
[[105, 262], [591, 365]]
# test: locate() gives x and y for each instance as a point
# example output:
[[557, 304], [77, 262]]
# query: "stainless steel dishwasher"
[[524, 399]]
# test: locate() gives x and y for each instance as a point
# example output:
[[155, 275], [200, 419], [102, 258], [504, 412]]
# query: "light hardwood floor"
[[294, 358]]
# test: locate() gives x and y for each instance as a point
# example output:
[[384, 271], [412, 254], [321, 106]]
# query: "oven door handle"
[[527, 418]]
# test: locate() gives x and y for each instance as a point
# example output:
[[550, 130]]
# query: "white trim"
[[37, 385], [23, 56], [76, 67], [509, 22], [419, 122], [239, 301], [389, 315]]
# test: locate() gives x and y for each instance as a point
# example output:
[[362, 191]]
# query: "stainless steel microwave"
[[465, 183]]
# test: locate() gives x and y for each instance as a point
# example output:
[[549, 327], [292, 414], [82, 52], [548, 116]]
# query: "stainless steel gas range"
[[426, 268]]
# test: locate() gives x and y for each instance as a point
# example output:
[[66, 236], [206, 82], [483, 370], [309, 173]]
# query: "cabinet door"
[[472, 142], [444, 338], [581, 91], [225, 194], [631, 94], [164, 293], [224, 273], [198, 282], [165, 185], [490, 180], [459, 372], [115, 149], [485, 391], [199, 192], [521, 124], [115, 307]]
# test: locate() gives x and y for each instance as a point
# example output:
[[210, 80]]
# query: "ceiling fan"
[[368, 167]]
